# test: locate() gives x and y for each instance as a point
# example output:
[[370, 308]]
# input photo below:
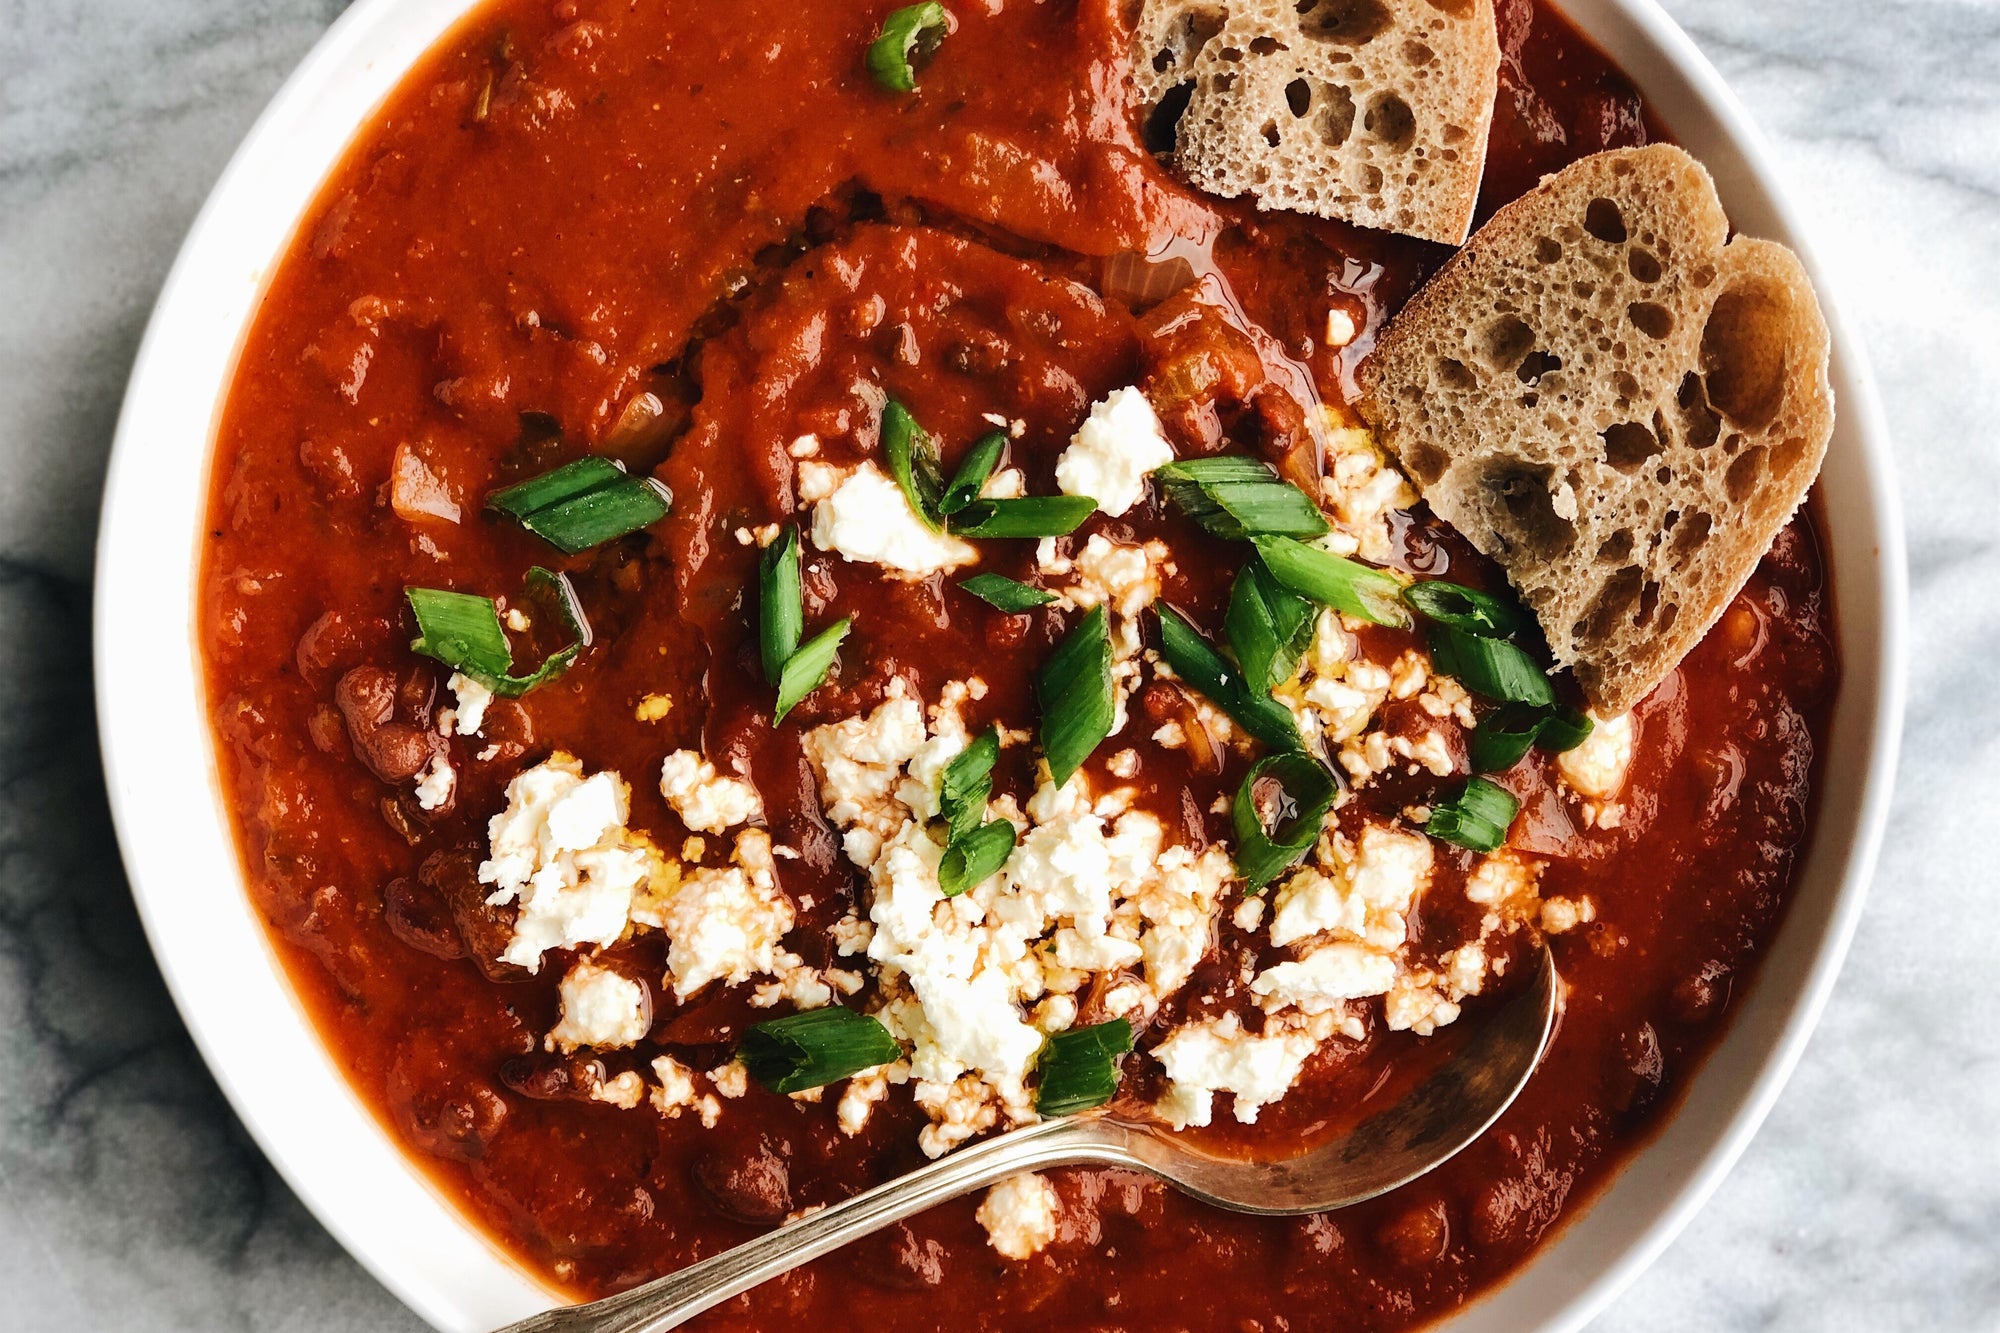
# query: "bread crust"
[[1374, 112], [1617, 402]]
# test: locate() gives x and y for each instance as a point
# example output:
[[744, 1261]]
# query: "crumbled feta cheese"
[[599, 1008], [864, 1092], [1565, 914], [1366, 897], [731, 1080], [725, 924], [470, 714], [866, 519], [562, 852], [1217, 1055], [1597, 767], [705, 801], [676, 1091], [624, 1091], [653, 707], [1326, 977], [1019, 1215], [1114, 451], [434, 785], [1362, 488]]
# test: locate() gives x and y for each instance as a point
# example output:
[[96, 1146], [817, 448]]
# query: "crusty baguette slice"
[[1616, 402], [1371, 111]]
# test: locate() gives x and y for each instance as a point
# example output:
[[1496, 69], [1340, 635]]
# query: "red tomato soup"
[[536, 929]]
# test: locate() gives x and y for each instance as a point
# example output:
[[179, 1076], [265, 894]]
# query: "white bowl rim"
[[253, 1033]]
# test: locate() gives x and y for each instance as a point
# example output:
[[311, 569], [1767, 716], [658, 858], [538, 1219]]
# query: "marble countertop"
[[130, 1198]]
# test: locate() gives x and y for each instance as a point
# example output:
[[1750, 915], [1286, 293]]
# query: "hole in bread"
[[1537, 364], [1521, 511], [1453, 374], [1613, 603], [1743, 352], [1507, 340], [1348, 21], [1628, 445], [1744, 474], [1787, 454], [1163, 122], [1702, 276], [1650, 318], [1299, 97], [1336, 122], [1454, 134], [1626, 384], [1390, 120], [1602, 219], [1426, 461], [1416, 54], [1692, 534], [1185, 40], [1265, 46], [1270, 133], [1663, 476], [1616, 547], [1642, 265], [1232, 55], [1368, 177], [1699, 424], [1668, 615], [1548, 250], [1649, 603]]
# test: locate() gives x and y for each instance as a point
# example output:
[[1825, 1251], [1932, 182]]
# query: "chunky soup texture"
[[699, 240]]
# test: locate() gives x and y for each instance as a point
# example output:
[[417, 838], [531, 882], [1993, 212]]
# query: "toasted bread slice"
[[1616, 402], [1371, 111]]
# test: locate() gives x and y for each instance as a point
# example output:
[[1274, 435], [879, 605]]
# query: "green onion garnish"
[[815, 1048], [1345, 585], [913, 461], [805, 669], [1079, 1068], [966, 783], [1238, 498], [1491, 668], [583, 504], [971, 859], [1269, 627], [1502, 737], [977, 466], [781, 613], [463, 632], [1466, 609], [1028, 516], [1074, 690], [1306, 790], [1477, 819], [909, 36], [997, 590], [1197, 663]]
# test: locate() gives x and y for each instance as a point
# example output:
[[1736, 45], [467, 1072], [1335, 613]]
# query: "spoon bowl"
[[1419, 1132]]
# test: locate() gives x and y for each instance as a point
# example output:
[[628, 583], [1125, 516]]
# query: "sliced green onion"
[[967, 781], [1345, 585], [815, 1048], [977, 466], [1079, 1068], [1028, 516], [913, 461], [909, 35], [1477, 818], [781, 612], [1306, 793], [1269, 627], [1491, 668], [583, 504], [997, 590], [1237, 498], [1197, 663], [1501, 738], [1074, 690], [1466, 609], [463, 631], [970, 860], [805, 669], [1564, 729]]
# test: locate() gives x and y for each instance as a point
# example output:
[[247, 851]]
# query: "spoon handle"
[[672, 1300]]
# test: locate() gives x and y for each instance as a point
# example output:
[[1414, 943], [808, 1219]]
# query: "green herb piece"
[[913, 462], [1238, 498], [815, 1048], [1197, 663], [1306, 790], [1360, 590], [967, 781], [1564, 729], [583, 504], [909, 36], [1079, 1067], [463, 631], [1466, 609], [1074, 690], [1508, 733], [1491, 668], [1477, 818], [1269, 627], [1003, 593], [969, 860], [1028, 516], [805, 669], [973, 470], [781, 611]]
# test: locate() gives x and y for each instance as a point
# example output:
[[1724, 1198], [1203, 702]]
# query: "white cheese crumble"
[[706, 801], [470, 715], [624, 1091], [1113, 452], [1364, 894], [866, 519], [725, 924], [1019, 1215], [435, 784], [1597, 768], [1217, 1055], [599, 1008]]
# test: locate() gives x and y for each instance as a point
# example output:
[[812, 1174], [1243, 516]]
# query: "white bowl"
[[234, 995]]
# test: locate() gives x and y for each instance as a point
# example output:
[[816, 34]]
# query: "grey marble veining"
[[131, 1199]]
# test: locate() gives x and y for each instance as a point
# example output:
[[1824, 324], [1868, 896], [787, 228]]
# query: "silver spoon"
[[1393, 1147]]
